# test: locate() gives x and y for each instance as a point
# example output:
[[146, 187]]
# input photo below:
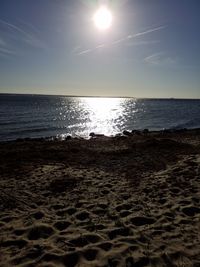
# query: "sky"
[[53, 47]]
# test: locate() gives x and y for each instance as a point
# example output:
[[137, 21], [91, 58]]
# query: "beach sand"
[[120, 201]]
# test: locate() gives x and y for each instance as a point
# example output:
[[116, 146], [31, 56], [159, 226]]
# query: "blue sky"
[[53, 47]]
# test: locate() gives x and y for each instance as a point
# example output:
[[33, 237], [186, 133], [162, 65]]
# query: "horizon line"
[[99, 96]]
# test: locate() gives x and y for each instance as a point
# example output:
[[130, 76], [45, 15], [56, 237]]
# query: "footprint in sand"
[[123, 231], [85, 240], [140, 221], [62, 225], [40, 231], [83, 215], [90, 254], [191, 210]]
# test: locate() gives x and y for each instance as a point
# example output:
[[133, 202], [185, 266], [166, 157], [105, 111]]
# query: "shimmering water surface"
[[24, 116]]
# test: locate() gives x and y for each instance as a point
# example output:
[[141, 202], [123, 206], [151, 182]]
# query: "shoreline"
[[125, 133]]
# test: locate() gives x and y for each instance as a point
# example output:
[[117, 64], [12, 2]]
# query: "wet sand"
[[121, 201]]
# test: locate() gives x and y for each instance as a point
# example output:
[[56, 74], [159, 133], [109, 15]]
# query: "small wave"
[[10, 123], [20, 122], [31, 133], [194, 123], [37, 130]]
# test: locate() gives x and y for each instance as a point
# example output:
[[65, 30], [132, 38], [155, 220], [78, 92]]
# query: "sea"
[[36, 116]]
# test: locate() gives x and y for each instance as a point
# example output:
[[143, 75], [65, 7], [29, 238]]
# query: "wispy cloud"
[[2, 42], [125, 39], [14, 27], [86, 51], [75, 49], [147, 32], [29, 25], [5, 50], [35, 42], [160, 59], [150, 42], [18, 33]]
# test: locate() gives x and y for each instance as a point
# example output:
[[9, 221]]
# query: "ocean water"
[[34, 116]]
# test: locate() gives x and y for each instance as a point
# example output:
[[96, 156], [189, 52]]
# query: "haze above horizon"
[[147, 49]]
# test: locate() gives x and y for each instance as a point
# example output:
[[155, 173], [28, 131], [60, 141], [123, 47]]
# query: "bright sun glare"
[[103, 18]]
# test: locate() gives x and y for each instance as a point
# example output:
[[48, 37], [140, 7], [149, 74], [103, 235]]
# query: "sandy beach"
[[107, 201]]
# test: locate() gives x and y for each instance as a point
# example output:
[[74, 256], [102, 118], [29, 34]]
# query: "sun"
[[103, 18]]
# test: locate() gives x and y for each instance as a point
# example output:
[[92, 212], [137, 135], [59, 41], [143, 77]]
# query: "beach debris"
[[68, 137], [136, 132], [93, 135], [145, 131], [127, 133]]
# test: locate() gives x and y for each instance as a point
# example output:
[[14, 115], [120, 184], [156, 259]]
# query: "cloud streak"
[[5, 50], [160, 59], [122, 40], [27, 37], [14, 27], [2, 42], [143, 43], [147, 32]]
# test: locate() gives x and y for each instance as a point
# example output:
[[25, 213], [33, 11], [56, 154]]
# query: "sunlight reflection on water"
[[107, 116], [103, 114]]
